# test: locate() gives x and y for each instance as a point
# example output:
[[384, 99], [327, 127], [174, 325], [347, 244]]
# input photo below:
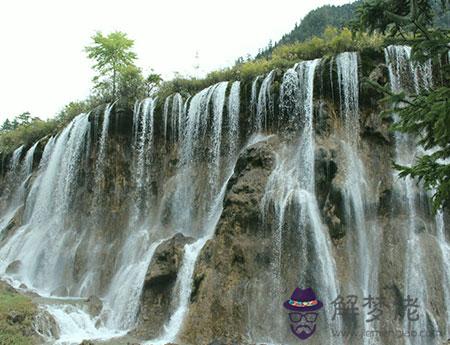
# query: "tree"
[[152, 81], [426, 115], [24, 118], [112, 55], [7, 126], [131, 83]]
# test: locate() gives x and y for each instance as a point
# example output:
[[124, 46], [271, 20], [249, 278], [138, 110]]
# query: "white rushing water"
[[292, 183], [254, 97], [234, 103], [47, 268], [121, 303], [142, 157], [67, 260], [18, 176], [445, 249], [42, 267], [409, 76], [183, 290], [357, 192], [102, 147], [198, 116], [177, 113], [264, 106], [355, 180]]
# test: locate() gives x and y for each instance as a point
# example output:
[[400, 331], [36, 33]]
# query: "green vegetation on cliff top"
[[123, 80]]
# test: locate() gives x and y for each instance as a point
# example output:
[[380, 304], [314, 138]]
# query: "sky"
[[43, 65]]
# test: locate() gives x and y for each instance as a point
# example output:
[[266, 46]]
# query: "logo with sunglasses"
[[303, 307]]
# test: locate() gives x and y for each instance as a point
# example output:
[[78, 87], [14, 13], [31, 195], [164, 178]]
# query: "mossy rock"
[[17, 313]]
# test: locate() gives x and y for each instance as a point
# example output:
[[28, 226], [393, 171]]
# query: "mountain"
[[315, 23]]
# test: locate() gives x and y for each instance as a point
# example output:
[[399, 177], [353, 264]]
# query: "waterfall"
[[289, 96], [15, 159], [445, 249], [47, 269], [355, 180], [355, 186], [216, 136], [123, 297], [193, 136], [191, 151], [265, 103], [177, 116], [61, 250], [406, 75], [18, 176], [183, 290], [143, 153], [292, 184], [100, 163], [172, 117], [166, 115], [254, 95], [233, 120], [44, 267]]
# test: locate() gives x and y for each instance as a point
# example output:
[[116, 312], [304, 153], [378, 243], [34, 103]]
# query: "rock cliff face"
[[192, 221]]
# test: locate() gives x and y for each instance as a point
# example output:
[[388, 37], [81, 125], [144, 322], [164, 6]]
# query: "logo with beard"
[[303, 310]]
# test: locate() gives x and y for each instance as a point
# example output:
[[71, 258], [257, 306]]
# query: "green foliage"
[[315, 23], [429, 115], [113, 57], [25, 134], [334, 41], [26, 130], [11, 303], [426, 115], [152, 82], [131, 84]]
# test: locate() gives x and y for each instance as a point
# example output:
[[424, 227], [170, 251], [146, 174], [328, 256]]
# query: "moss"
[[16, 318]]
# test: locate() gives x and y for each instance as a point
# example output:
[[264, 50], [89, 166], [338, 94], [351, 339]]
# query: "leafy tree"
[[112, 55], [24, 118], [152, 81], [71, 110], [426, 115], [131, 84], [7, 126]]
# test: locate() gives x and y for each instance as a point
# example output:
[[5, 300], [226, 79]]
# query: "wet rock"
[[13, 224], [156, 301], [45, 324], [166, 261], [376, 128], [238, 251], [329, 192], [94, 305], [13, 267]]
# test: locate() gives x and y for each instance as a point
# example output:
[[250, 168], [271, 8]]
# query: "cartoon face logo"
[[303, 307]]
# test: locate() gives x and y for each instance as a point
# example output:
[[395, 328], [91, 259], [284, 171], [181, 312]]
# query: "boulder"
[[160, 279], [13, 267], [94, 305]]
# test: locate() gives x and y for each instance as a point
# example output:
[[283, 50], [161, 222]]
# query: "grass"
[[16, 315]]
